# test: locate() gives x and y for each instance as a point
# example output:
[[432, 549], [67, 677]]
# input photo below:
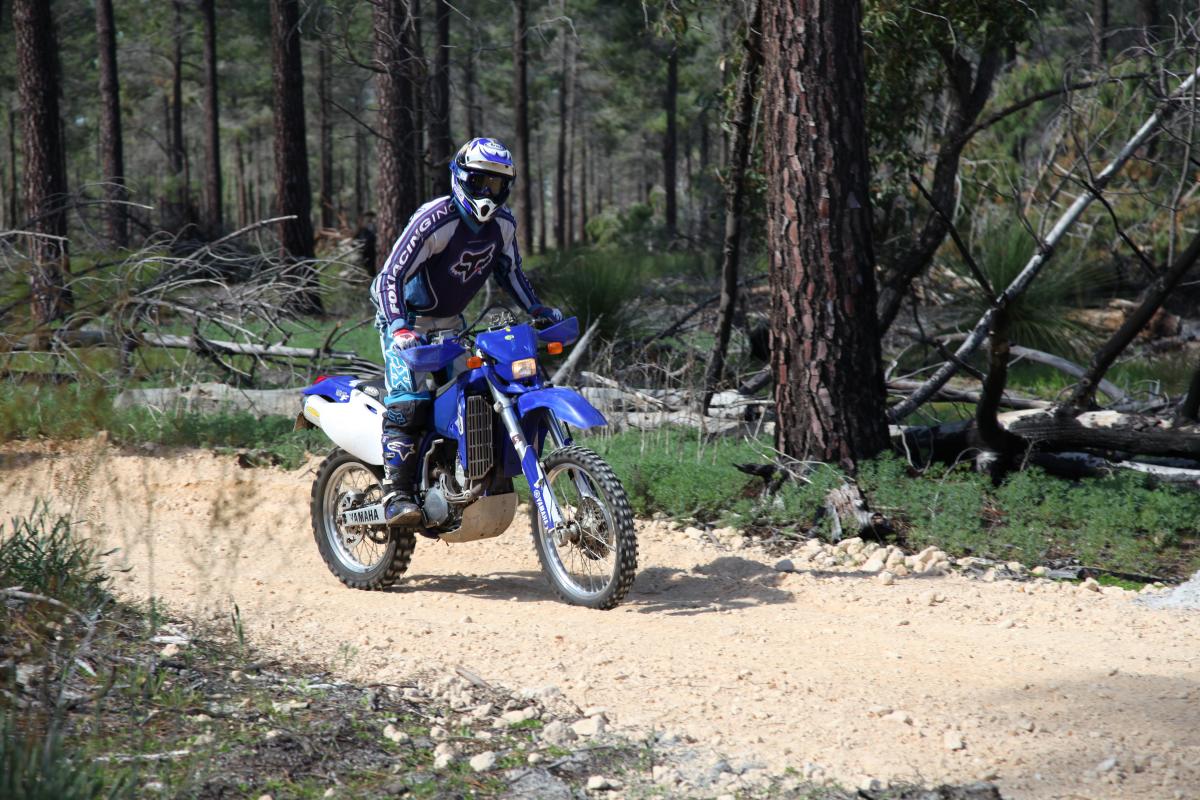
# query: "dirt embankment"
[[1050, 690]]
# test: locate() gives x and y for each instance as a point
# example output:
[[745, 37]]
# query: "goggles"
[[486, 184]]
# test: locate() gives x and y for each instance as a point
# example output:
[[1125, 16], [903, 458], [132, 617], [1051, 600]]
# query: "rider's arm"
[[507, 267], [427, 233]]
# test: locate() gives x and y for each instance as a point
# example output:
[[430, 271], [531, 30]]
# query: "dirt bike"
[[495, 420]]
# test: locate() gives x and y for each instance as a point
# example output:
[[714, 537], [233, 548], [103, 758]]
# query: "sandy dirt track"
[[1045, 685]]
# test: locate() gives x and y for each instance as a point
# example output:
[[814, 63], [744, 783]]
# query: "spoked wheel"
[[591, 559], [361, 556]]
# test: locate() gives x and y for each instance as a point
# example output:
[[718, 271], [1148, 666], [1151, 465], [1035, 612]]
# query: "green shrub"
[[35, 766], [42, 555]]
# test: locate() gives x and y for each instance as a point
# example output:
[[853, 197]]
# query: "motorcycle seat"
[[373, 388]]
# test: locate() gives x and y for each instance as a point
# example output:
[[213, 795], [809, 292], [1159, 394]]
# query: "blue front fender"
[[567, 404]]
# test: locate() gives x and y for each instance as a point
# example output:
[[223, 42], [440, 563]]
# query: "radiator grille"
[[479, 436]]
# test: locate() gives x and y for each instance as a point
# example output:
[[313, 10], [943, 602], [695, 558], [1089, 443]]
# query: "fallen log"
[[1043, 430]]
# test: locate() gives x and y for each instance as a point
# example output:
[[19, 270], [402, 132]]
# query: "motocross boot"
[[399, 504]]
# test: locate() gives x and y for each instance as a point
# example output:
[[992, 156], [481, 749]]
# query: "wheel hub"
[[590, 534]]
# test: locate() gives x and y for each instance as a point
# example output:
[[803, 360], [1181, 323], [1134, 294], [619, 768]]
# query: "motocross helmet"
[[481, 176]]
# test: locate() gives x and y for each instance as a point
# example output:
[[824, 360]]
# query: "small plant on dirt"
[[34, 765]]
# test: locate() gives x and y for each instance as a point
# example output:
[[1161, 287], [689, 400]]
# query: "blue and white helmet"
[[481, 176]]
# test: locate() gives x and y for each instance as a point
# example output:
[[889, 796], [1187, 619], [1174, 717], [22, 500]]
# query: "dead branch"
[[568, 367], [1152, 299], [1043, 255]]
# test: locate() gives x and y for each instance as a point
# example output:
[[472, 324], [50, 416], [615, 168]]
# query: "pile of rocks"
[[887, 561]]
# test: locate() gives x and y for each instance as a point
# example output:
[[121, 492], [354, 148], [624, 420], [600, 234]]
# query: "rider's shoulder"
[[507, 221]]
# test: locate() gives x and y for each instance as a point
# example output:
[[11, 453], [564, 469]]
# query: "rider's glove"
[[547, 313], [403, 338]]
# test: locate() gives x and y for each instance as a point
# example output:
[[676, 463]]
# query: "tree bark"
[[560, 189], [112, 152], [242, 189], [572, 110], [214, 211], [177, 191], [420, 77], [521, 107], [14, 196], [1099, 34], [397, 189], [1189, 408], [325, 133], [469, 82], [541, 179], [735, 195], [825, 348], [670, 143], [441, 142], [1148, 20], [293, 192], [38, 84]]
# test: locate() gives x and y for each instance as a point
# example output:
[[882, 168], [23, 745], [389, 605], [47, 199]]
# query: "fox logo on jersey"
[[472, 263]]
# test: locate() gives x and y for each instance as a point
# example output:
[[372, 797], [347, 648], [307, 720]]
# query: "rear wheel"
[[591, 559], [361, 556]]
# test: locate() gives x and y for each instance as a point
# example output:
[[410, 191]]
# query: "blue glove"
[[547, 313]]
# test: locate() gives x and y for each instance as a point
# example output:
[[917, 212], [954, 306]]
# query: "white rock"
[[899, 570], [952, 740], [535, 759], [394, 734], [170, 651], [867, 784], [1090, 584], [445, 749], [437, 733], [886, 578], [1016, 567], [442, 761], [599, 783], [557, 733], [483, 762], [592, 711], [592, 726], [876, 562], [1039, 571], [878, 711], [1006, 624], [288, 706], [466, 621], [847, 545], [204, 739], [990, 575], [900, 717], [928, 598], [511, 718], [1107, 765], [785, 565]]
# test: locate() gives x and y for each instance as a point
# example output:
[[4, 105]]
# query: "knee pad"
[[408, 416]]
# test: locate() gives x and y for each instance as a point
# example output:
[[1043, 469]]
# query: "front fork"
[[539, 487]]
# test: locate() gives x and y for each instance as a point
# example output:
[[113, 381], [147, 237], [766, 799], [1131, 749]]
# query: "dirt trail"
[[1044, 684]]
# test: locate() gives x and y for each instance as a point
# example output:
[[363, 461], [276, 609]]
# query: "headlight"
[[525, 368]]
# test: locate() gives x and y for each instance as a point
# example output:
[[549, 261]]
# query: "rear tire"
[[385, 553], [605, 537]]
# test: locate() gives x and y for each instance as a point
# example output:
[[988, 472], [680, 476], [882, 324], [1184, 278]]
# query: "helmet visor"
[[486, 184]]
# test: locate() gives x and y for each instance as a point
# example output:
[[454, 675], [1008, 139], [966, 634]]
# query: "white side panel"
[[353, 425]]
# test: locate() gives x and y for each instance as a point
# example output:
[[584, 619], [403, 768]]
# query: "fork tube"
[[543, 498]]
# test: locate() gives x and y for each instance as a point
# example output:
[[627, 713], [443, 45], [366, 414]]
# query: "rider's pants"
[[408, 405]]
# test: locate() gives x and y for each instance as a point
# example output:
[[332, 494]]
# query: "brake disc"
[[593, 526]]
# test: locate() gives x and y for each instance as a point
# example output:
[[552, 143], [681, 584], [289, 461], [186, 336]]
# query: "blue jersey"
[[439, 263]]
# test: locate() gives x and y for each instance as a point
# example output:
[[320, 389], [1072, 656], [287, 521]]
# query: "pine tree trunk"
[[325, 132], [583, 187], [420, 77], [1099, 33], [521, 107], [242, 191], [14, 199], [541, 179], [177, 191], [735, 195], [572, 105], [293, 192], [825, 349], [214, 213], [112, 153], [441, 143], [560, 189], [1148, 19], [670, 143], [469, 82], [397, 183], [38, 77]]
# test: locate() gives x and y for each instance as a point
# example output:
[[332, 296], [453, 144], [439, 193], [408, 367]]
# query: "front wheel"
[[361, 556], [591, 559]]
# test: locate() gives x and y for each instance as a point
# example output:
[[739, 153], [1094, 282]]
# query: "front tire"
[[593, 561], [361, 557]]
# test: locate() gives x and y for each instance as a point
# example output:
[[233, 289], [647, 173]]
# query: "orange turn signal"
[[554, 348], [474, 362]]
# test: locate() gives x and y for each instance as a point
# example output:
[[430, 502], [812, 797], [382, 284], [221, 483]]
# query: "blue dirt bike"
[[494, 420]]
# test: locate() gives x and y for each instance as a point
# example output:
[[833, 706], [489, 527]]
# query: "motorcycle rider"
[[444, 255]]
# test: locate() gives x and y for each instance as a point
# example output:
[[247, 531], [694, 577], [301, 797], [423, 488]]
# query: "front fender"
[[567, 404]]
